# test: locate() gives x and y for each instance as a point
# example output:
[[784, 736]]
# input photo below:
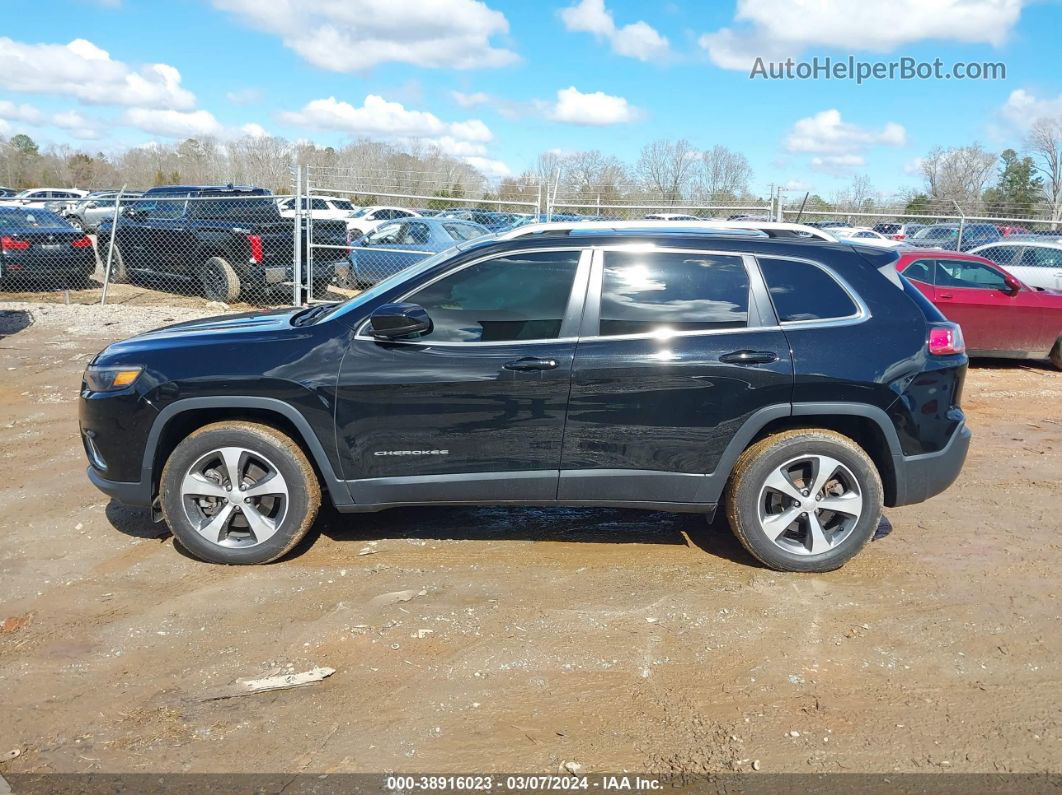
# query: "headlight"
[[110, 379]]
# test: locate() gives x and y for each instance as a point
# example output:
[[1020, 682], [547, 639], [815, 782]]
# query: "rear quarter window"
[[802, 291]]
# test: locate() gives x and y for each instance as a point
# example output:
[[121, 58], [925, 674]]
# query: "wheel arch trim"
[[337, 489]]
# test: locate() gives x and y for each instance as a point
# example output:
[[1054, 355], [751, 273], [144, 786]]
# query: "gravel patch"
[[93, 320]]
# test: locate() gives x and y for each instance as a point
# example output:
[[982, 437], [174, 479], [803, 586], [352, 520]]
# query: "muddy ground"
[[614, 639]]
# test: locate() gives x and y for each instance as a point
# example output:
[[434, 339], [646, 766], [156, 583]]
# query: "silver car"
[[93, 208]]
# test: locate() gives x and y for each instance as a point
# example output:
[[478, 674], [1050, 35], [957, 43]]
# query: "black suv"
[[798, 383], [231, 242]]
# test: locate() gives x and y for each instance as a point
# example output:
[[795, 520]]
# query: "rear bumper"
[[919, 477], [284, 275]]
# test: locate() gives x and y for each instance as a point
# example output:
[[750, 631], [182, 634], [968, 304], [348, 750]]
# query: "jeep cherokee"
[[797, 383]]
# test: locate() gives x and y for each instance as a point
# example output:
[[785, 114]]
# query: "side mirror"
[[1013, 286], [363, 240], [392, 321]]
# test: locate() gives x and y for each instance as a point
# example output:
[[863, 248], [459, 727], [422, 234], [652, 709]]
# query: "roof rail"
[[769, 228]]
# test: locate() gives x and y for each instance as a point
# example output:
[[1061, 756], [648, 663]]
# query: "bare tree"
[[592, 177], [666, 166], [724, 174], [1045, 143], [958, 174]]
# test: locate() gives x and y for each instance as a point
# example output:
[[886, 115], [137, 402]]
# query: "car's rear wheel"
[[1056, 354], [219, 280], [239, 492], [804, 500], [119, 273]]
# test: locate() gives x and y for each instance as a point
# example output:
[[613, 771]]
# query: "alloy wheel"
[[234, 497], [810, 504]]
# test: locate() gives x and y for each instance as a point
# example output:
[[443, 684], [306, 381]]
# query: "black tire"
[[219, 280], [119, 273], [750, 501], [1056, 354], [261, 444]]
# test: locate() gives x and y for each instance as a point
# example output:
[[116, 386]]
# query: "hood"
[[224, 329], [259, 320]]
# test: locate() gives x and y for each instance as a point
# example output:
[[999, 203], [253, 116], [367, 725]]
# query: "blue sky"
[[498, 82]]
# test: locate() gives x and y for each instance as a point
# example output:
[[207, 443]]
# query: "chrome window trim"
[[582, 271], [862, 313]]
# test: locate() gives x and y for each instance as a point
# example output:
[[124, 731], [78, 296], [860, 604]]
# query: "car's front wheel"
[[804, 500], [239, 492]]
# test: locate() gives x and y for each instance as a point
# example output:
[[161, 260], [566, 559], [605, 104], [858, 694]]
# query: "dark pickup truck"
[[230, 241]]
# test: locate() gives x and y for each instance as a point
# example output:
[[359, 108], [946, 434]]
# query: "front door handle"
[[531, 363], [749, 357], [945, 296]]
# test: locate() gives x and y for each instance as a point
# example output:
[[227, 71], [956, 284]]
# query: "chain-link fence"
[[338, 232], [171, 245], [387, 230]]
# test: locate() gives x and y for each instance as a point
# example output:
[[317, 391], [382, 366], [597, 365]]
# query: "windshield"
[[360, 212], [13, 219]]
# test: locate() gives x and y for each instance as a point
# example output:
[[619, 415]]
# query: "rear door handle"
[[531, 363], [749, 357]]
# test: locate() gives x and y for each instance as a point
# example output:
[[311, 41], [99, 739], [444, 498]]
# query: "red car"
[[1012, 230], [999, 315]]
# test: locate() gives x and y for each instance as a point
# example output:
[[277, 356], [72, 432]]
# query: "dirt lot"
[[618, 640]]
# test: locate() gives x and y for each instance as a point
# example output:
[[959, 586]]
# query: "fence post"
[[962, 224], [110, 246], [296, 270], [309, 240]]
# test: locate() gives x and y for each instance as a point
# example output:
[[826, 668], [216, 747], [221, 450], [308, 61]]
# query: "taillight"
[[898, 237], [82, 242], [9, 244], [945, 339], [255, 241]]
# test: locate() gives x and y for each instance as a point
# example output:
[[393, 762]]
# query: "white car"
[[365, 219], [1037, 261], [672, 217], [42, 197], [321, 208], [360, 220], [864, 236]]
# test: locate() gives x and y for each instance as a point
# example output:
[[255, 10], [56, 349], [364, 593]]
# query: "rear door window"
[[803, 291], [644, 293], [1039, 257]]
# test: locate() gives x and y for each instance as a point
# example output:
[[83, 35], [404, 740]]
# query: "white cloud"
[[358, 34], [777, 29], [913, 166], [471, 100], [174, 123], [1022, 108], [638, 40], [378, 117], [827, 133], [254, 130], [73, 122], [492, 169], [596, 108], [81, 69]]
